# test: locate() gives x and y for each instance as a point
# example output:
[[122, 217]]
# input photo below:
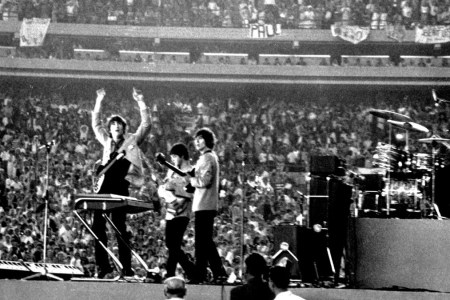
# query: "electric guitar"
[[160, 158], [101, 171], [99, 181]]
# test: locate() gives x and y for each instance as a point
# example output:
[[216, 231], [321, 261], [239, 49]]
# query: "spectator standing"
[[279, 284], [255, 287]]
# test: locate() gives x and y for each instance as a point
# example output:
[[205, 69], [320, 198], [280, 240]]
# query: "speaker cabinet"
[[309, 247], [288, 234], [329, 207], [324, 165]]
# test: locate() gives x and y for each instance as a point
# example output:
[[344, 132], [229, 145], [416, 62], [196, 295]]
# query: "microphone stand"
[[45, 272], [242, 218], [240, 156]]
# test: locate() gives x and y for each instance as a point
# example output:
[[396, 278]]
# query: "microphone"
[[437, 100], [47, 145]]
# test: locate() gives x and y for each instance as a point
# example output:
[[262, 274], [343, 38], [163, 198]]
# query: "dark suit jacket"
[[254, 289]]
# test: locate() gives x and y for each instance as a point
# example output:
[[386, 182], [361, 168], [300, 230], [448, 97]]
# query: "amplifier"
[[324, 165], [18, 270]]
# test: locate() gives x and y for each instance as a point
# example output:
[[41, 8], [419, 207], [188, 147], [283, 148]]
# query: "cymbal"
[[390, 115], [412, 126], [434, 138]]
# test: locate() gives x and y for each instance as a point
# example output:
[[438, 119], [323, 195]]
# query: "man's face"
[[117, 130], [200, 143]]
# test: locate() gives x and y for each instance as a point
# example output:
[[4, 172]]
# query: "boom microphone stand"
[[45, 274]]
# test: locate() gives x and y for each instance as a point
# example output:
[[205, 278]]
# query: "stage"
[[69, 290], [388, 259]]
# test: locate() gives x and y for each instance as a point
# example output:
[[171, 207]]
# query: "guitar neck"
[[109, 165], [175, 169]]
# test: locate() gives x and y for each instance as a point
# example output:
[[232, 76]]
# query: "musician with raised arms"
[[178, 204], [122, 160]]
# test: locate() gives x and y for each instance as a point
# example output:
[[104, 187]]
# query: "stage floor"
[[71, 290]]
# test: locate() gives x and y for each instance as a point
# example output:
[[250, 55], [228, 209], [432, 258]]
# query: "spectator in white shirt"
[[279, 283]]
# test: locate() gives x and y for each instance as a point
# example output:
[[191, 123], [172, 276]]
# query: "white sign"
[[33, 31], [433, 34], [352, 34]]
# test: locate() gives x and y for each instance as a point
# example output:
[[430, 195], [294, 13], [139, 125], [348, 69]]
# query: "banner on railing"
[[396, 32], [33, 31], [352, 34], [264, 30], [433, 34]]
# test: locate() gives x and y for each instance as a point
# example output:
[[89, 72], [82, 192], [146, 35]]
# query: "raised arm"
[[145, 126], [100, 133]]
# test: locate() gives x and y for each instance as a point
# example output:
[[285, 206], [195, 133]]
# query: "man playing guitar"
[[122, 159], [178, 205]]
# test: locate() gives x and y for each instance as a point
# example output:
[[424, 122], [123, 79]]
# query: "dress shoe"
[[104, 273]]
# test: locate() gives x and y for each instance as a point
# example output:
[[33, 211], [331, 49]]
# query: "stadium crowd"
[[291, 14], [264, 146]]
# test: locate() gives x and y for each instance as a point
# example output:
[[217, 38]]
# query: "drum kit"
[[409, 177]]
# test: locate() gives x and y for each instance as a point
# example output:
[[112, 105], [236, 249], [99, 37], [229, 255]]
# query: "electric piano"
[[108, 202]]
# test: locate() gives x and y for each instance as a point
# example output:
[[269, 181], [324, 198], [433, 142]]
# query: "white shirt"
[[288, 296]]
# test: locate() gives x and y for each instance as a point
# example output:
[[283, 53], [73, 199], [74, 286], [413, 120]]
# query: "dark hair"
[[280, 277], [256, 264], [208, 136], [175, 286], [119, 119], [181, 150]]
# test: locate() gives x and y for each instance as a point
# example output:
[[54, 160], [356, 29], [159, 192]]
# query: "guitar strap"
[[116, 146]]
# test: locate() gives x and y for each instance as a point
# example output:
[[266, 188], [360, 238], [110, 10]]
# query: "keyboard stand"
[[116, 261], [134, 253]]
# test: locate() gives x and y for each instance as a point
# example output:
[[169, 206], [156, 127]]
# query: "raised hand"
[[137, 95], [101, 93]]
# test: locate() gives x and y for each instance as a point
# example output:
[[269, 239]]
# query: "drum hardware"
[[390, 115], [409, 126], [389, 157], [434, 140]]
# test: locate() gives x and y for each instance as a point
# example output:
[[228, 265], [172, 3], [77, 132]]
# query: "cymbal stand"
[[433, 172], [388, 182], [45, 272], [433, 206]]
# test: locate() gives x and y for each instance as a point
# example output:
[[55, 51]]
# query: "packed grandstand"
[[265, 138]]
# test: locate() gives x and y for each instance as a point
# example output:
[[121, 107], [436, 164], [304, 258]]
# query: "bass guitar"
[[160, 158]]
